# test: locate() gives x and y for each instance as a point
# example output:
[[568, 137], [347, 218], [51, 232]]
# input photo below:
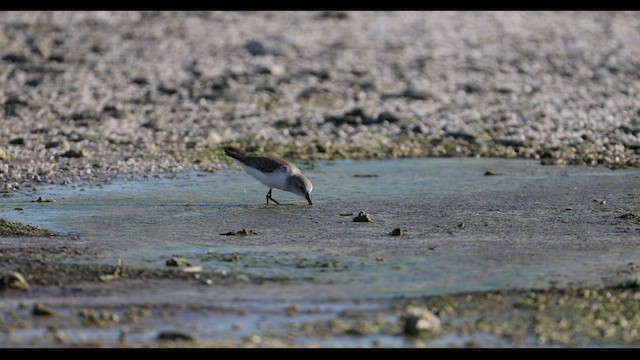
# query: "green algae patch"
[[12, 228]]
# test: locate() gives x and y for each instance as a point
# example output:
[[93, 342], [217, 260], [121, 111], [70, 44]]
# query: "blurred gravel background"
[[84, 95]]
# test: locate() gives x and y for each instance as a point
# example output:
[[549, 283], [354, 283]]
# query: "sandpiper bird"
[[275, 173]]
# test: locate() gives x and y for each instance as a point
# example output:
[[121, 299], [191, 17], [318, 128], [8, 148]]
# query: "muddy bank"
[[88, 95]]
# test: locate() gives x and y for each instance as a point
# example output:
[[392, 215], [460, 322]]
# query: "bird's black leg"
[[272, 199]]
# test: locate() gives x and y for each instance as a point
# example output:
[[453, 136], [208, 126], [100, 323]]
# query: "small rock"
[[243, 232], [40, 310], [365, 175], [231, 258], [362, 217], [174, 336], [629, 216], [178, 261], [338, 15], [468, 137], [103, 319], [346, 214], [255, 48], [461, 225], [14, 58], [291, 310], [416, 94], [13, 280], [379, 258], [473, 88], [17, 141], [139, 80], [51, 144], [75, 154], [419, 320], [490, 173], [43, 200], [397, 232], [603, 202]]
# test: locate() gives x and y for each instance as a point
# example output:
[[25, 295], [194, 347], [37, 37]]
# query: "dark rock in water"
[[365, 175], [397, 232], [178, 261], [40, 310], [243, 232], [17, 141], [174, 336], [490, 173], [362, 217]]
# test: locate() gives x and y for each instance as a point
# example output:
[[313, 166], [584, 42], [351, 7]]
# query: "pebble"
[[419, 320], [362, 217]]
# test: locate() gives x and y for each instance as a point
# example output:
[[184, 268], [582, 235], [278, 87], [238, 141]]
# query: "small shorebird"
[[275, 173]]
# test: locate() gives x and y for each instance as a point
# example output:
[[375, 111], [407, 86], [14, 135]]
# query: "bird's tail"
[[234, 155]]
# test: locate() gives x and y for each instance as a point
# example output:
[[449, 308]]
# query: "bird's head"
[[302, 186]]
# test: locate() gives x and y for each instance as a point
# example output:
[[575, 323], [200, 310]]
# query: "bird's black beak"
[[309, 199]]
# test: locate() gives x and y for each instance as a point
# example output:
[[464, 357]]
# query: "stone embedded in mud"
[[418, 321], [231, 258], [178, 261], [362, 217], [629, 216], [13, 280], [103, 319], [243, 232], [397, 232], [40, 310]]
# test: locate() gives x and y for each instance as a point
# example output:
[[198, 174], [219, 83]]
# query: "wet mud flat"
[[488, 253]]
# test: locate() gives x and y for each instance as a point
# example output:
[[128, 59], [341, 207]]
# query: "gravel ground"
[[86, 95]]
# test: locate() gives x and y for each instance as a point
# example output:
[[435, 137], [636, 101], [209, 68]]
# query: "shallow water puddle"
[[529, 226]]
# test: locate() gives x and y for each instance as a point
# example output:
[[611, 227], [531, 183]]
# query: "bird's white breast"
[[276, 179]]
